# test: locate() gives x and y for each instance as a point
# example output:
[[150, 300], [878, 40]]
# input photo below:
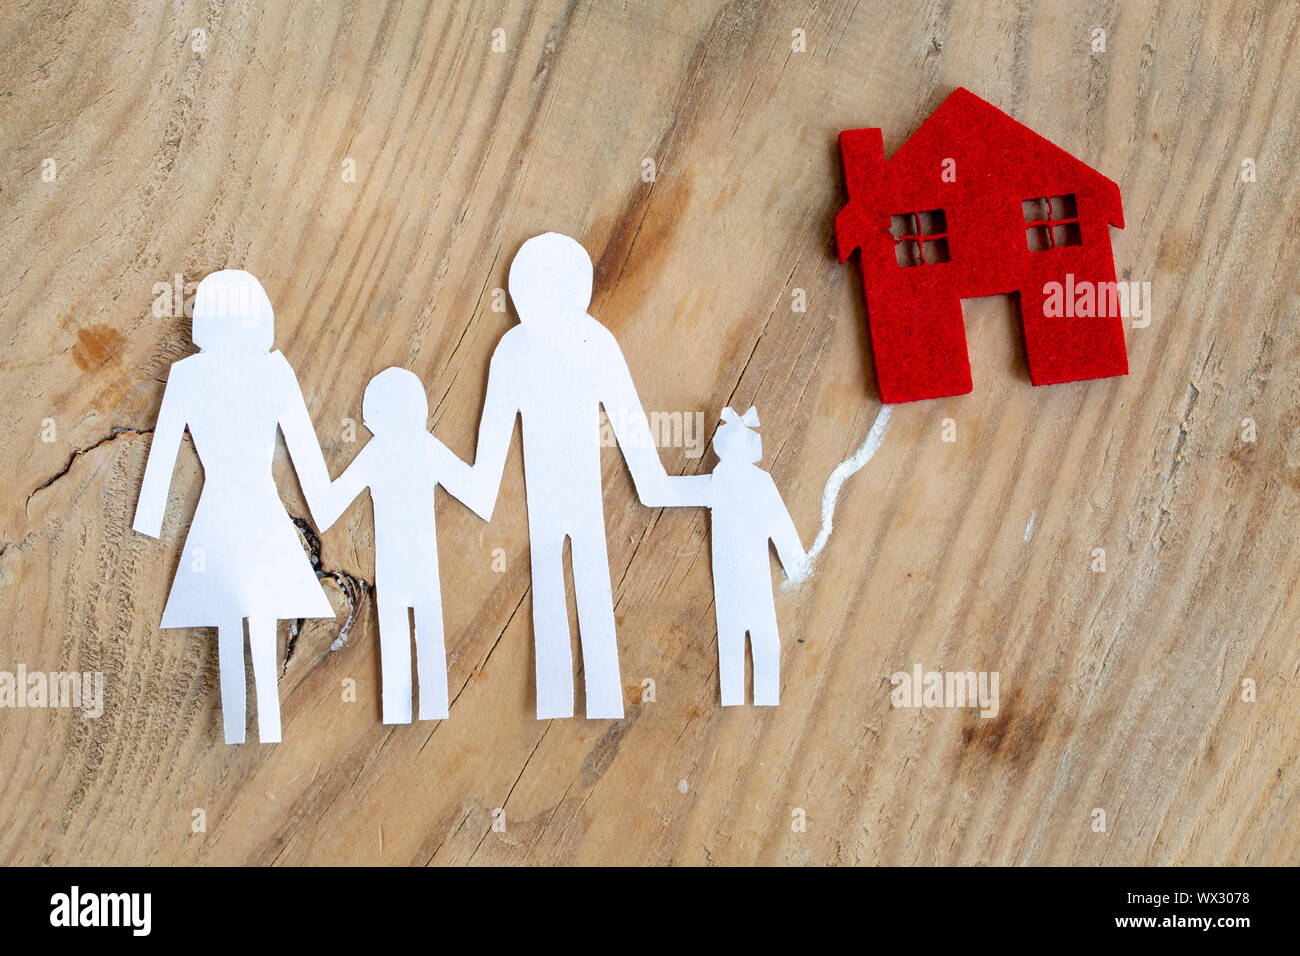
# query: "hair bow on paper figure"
[[749, 419], [736, 438]]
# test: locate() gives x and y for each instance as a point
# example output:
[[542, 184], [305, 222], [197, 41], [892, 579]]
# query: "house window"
[[1050, 222], [920, 238]]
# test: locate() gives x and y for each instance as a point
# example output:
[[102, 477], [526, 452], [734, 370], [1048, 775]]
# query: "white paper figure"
[[747, 513], [555, 370], [242, 560], [401, 465]]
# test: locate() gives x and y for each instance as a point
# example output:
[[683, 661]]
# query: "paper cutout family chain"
[[973, 204], [242, 560]]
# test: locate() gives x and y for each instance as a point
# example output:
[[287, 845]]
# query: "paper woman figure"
[[402, 465], [747, 512], [242, 560]]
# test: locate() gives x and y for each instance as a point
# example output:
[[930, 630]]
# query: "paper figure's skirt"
[[251, 566]]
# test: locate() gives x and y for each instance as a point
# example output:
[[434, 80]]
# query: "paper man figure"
[[747, 512], [242, 560], [554, 370], [401, 466]]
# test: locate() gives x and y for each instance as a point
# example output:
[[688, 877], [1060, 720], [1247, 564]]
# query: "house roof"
[[966, 122], [991, 150]]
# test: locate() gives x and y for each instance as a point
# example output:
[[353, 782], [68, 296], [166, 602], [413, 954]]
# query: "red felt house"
[[977, 204]]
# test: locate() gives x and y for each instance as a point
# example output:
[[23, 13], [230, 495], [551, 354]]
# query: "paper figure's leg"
[[261, 644], [230, 665], [596, 626], [731, 663], [765, 647], [551, 627], [431, 660], [395, 659], [731, 618]]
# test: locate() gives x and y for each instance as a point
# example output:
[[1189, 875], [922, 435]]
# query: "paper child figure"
[[747, 512], [401, 466], [242, 560], [555, 370]]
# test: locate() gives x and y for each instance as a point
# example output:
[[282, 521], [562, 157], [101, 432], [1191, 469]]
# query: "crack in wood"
[[355, 589], [116, 432]]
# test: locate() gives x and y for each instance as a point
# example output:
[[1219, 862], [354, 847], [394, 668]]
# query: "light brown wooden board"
[[1120, 690]]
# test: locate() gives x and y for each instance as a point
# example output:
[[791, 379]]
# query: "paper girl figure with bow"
[[242, 560], [401, 466], [747, 512]]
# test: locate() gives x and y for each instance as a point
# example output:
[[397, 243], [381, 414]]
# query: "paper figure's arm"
[[678, 491], [463, 482], [494, 431], [784, 535], [632, 429], [300, 439], [343, 490], [163, 448]]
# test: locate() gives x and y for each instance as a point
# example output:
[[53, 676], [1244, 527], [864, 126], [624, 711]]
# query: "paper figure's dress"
[[243, 557]]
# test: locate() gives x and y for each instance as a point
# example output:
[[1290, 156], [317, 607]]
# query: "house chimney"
[[862, 152]]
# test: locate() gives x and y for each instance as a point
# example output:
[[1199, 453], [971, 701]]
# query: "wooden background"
[[1120, 690]]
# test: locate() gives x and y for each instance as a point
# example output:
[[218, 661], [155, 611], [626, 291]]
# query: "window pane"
[[1039, 238], [932, 222], [906, 252], [1035, 210], [935, 250], [1064, 207], [1067, 234], [901, 225]]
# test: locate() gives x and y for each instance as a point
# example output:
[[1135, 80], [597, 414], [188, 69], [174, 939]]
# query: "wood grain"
[[1120, 690]]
